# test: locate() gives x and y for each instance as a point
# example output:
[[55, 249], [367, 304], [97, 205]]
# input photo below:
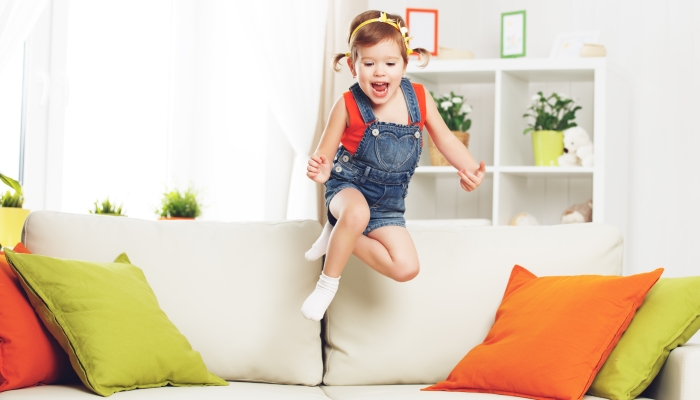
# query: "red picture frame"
[[424, 29]]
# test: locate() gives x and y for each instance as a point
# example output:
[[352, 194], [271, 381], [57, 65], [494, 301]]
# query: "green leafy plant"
[[454, 111], [9, 199], [553, 113], [107, 208], [180, 204]]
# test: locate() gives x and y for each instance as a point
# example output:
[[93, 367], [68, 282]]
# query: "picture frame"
[[422, 24], [568, 44], [513, 34]]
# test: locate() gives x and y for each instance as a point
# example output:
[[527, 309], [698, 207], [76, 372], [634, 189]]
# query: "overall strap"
[[363, 103], [411, 101]]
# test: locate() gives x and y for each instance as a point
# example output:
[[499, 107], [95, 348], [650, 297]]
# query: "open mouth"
[[380, 88]]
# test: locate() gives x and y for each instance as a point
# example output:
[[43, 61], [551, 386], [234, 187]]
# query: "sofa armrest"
[[678, 378]]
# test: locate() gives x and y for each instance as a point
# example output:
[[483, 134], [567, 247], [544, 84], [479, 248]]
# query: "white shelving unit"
[[500, 91]]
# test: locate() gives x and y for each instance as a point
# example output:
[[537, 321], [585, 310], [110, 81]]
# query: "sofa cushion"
[[551, 335], [383, 332], [236, 390], [233, 289], [410, 392], [668, 318], [107, 318], [29, 355]]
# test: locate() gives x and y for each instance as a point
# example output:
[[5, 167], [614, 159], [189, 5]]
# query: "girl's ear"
[[351, 65]]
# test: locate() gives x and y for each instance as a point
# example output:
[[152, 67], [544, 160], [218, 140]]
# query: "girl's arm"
[[319, 167], [470, 172]]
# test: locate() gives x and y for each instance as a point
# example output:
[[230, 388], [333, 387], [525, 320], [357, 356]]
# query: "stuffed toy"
[[582, 212], [578, 148], [524, 219]]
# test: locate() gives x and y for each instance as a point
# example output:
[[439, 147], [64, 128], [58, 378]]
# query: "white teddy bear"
[[578, 148]]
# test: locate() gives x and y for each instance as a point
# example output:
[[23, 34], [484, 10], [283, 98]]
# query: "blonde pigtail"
[[336, 61], [423, 55]]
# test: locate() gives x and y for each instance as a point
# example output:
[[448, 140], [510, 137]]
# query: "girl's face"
[[379, 70]]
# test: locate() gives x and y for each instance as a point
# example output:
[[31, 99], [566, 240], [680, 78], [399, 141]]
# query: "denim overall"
[[383, 164]]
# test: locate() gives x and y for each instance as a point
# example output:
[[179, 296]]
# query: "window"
[[11, 116], [116, 121], [161, 93]]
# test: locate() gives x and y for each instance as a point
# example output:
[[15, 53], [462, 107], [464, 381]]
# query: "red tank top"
[[356, 128]]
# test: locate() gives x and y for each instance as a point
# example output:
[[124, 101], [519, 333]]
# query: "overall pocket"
[[385, 197], [393, 152]]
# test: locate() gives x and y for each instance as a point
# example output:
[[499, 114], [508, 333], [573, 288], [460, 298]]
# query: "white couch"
[[235, 291]]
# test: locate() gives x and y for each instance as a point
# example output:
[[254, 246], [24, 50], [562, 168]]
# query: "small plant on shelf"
[[554, 113], [177, 204], [107, 208], [9, 199], [454, 111]]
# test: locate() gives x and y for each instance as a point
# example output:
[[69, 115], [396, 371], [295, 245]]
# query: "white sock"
[[321, 245], [317, 303]]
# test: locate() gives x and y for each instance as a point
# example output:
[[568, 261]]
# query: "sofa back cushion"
[[380, 332], [233, 289]]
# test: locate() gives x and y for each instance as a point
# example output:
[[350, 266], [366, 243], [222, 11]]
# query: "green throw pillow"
[[668, 317], [107, 318]]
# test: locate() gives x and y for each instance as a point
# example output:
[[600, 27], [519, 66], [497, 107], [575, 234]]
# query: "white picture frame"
[[568, 44]]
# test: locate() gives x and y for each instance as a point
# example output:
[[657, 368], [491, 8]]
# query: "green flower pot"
[[11, 224], [547, 146]]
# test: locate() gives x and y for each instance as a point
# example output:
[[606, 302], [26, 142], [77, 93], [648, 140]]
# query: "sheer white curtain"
[[293, 34], [17, 19], [185, 96], [117, 115]]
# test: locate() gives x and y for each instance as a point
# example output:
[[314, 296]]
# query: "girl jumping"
[[375, 133]]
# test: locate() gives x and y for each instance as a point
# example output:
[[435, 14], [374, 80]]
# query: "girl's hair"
[[373, 33]]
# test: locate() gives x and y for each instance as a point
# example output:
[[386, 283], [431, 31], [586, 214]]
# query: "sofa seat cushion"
[[381, 332], [236, 390], [208, 277], [410, 392]]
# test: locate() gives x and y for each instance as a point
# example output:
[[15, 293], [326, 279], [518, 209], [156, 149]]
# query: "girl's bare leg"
[[390, 251], [350, 208]]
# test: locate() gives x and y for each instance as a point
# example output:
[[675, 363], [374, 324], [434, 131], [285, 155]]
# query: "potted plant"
[[453, 111], [549, 118], [179, 205], [12, 215], [107, 208]]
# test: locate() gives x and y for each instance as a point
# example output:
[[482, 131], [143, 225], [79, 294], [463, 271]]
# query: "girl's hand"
[[470, 181], [319, 169]]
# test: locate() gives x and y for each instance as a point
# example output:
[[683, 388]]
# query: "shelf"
[[532, 171], [500, 90], [484, 70], [529, 171], [431, 169]]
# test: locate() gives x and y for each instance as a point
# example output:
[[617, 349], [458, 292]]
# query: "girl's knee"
[[406, 272], [356, 217]]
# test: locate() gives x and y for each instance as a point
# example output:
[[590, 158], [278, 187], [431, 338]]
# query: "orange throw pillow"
[[29, 355], [551, 335]]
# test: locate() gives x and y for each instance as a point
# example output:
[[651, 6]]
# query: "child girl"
[[378, 125]]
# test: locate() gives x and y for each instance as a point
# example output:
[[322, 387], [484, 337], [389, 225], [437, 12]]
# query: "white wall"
[[656, 43]]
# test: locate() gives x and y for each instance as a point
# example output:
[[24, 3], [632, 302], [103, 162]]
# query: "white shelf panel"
[[431, 169], [533, 171], [484, 70]]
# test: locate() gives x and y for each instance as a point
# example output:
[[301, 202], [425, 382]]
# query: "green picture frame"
[[513, 34]]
